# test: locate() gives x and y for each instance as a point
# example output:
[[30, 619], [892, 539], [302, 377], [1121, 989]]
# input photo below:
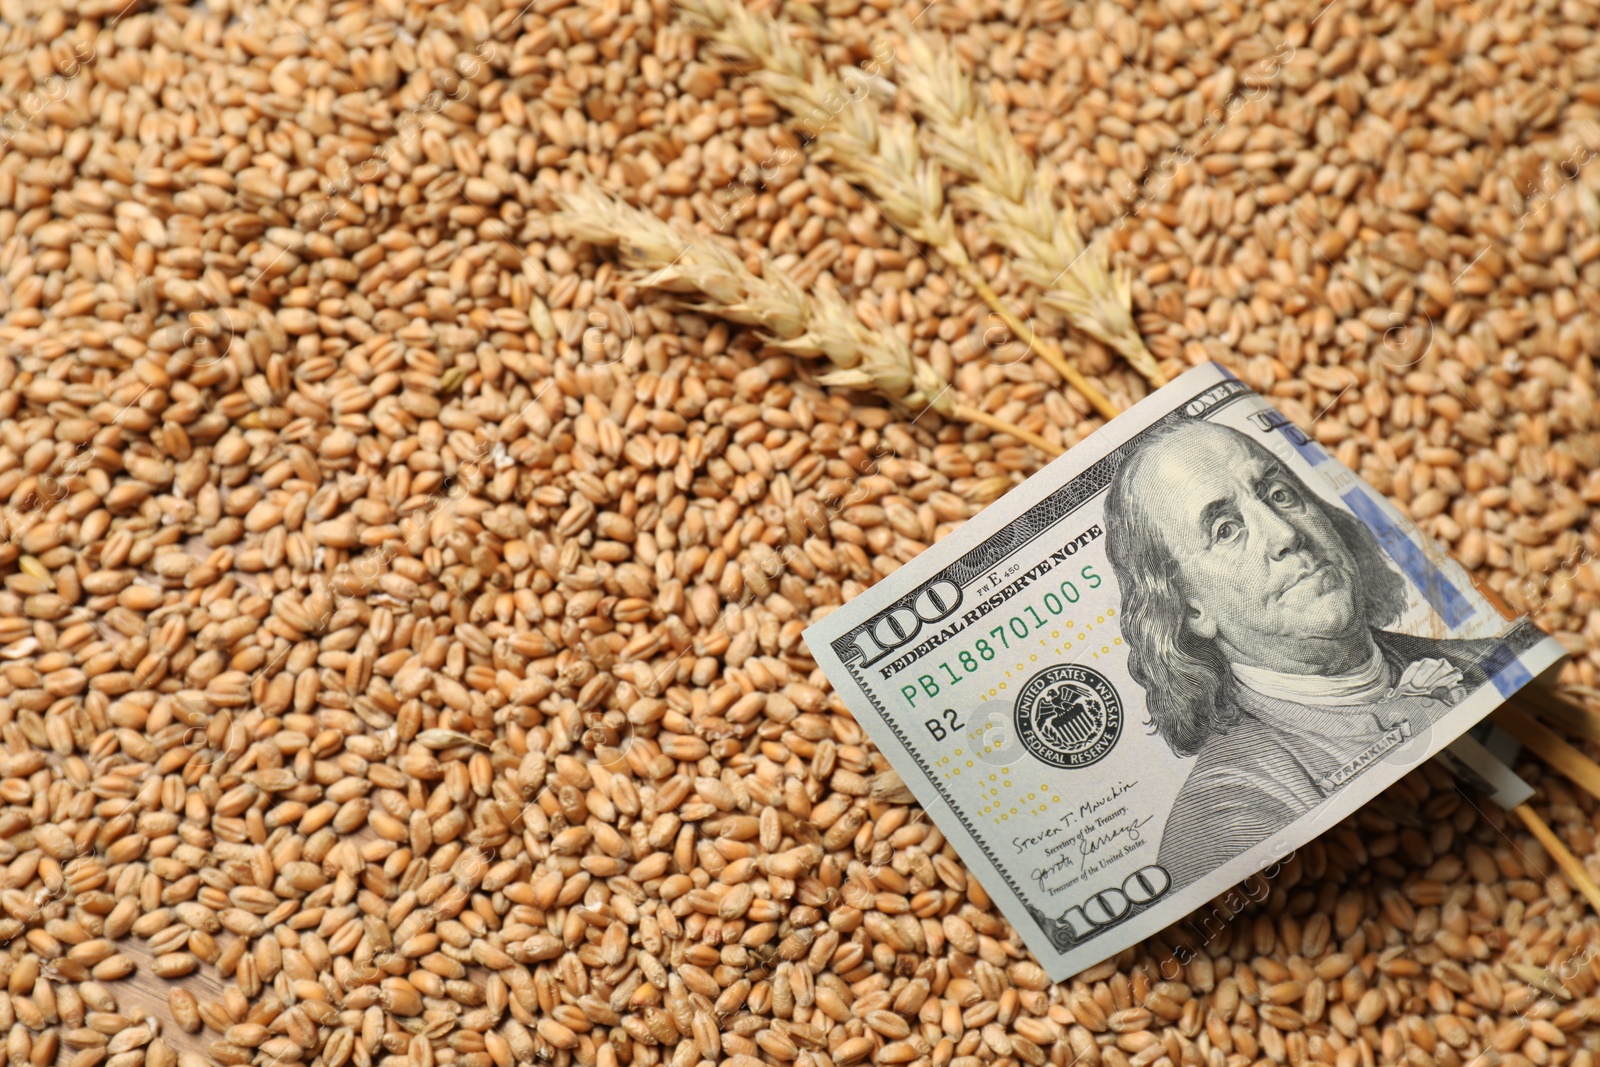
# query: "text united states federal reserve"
[[1165, 662]]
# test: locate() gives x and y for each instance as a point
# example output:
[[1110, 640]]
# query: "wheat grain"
[[1029, 212]]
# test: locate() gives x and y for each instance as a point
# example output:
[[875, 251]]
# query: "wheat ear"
[[815, 324], [881, 157], [1030, 215]]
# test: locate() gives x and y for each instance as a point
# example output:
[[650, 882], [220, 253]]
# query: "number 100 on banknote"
[[1165, 662]]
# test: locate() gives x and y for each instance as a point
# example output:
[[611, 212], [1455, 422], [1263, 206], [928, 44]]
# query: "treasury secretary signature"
[[1255, 616]]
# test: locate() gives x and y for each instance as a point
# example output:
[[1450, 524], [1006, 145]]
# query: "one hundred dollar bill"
[[1165, 662]]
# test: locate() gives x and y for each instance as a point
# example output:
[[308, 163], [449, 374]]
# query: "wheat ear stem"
[[881, 157], [815, 324], [983, 418], [1028, 211], [1052, 355], [1570, 864]]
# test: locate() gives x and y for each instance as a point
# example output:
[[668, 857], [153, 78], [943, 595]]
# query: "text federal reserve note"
[[1165, 662]]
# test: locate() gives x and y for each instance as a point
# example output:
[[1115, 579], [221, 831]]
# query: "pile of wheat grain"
[[399, 648]]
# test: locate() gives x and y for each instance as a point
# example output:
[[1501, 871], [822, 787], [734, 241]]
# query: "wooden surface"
[[145, 990]]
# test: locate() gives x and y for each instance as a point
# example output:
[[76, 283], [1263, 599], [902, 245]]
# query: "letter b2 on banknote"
[[1165, 662]]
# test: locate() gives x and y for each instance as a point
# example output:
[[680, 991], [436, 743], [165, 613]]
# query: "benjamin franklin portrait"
[[1258, 619]]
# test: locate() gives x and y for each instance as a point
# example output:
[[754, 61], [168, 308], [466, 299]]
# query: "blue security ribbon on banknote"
[[1165, 662]]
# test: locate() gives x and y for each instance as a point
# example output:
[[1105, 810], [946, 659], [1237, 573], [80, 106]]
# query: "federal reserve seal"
[[1069, 716]]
